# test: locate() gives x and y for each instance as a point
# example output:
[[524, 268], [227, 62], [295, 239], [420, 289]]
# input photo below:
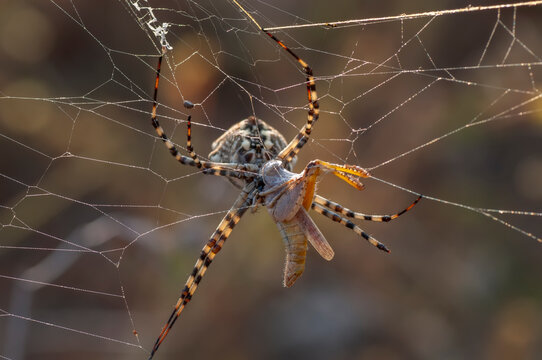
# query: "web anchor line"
[[467, 9]]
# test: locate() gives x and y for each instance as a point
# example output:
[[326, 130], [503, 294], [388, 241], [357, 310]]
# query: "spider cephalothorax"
[[257, 159]]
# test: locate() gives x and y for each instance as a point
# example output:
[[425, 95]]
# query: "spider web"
[[100, 226]]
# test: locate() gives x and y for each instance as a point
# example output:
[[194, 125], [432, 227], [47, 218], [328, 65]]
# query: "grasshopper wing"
[[296, 250], [295, 233], [313, 234]]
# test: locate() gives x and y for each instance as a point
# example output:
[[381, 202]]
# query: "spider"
[[256, 158]]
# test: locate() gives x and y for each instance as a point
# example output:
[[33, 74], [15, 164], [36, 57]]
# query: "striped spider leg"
[[208, 253], [292, 149], [239, 170], [320, 204], [333, 210], [243, 171], [288, 197]]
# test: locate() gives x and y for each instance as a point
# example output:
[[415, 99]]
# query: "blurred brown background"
[[100, 226]]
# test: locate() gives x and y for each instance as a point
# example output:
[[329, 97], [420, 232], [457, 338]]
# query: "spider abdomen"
[[250, 141]]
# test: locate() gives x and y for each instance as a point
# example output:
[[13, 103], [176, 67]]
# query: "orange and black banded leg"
[[220, 169], [209, 251], [193, 155], [291, 150], [319, 200], [185, 160], [349, 224]]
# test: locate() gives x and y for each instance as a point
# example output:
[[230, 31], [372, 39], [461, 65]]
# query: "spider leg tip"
[[383, 248]]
